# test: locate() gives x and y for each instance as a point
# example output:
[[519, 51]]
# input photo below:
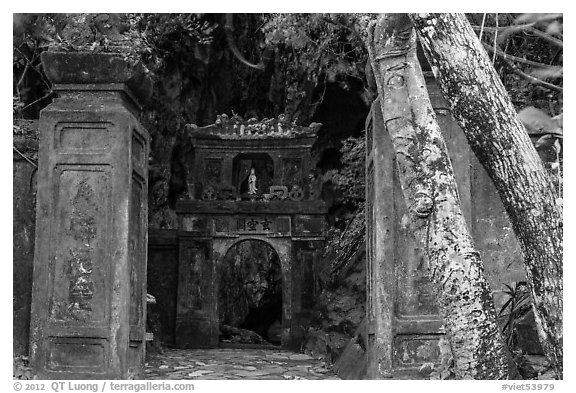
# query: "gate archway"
[[283, 248], [250, 290]]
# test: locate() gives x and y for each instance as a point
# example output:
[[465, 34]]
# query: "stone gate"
[[284, 212], [89, 283]]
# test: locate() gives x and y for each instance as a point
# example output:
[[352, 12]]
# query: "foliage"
[[21, 368], [32, 34], [350, 179], [538, 122], [527, 54], [315, 49], [146, 38], [158, 37], [342, 244], [515, 309]]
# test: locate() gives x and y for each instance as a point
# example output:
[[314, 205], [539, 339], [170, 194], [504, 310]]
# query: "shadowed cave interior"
[[250, 294]]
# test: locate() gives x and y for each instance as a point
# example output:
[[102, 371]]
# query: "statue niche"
[[255, 168]]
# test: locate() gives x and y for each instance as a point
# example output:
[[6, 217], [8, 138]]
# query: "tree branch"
[[228, 29], [24, 156], [22, 79], [38, 100], [505, 55], [524, 75], [546, 36], [29, 63], [529, 27]]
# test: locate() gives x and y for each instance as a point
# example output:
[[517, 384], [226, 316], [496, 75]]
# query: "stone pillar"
[[89, 283], [380, 248], [197, 302], [404, 323]]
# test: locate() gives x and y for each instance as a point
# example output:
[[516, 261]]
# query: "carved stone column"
[[404, 325], [380, 227], [89, 285]]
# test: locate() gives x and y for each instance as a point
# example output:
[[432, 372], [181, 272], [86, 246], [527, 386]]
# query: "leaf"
[[507, 32], [535, 17], [537, 121], [557, 147], [548, 141], [505, 306], [554, 28], [550, 72], [559, 119]]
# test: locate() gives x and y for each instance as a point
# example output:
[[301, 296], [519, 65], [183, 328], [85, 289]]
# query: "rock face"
[[231, 334], [352, 364], [340, 307]]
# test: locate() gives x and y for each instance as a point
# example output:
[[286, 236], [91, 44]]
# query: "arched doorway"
[[250, 294]]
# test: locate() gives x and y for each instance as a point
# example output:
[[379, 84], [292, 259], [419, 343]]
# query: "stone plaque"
[[195, 223], [309, 224], [283, 225], [221, 224], [255, 224], [83, 137], [213, 171], [415, 350], [291, 171], [69, 352], [78, 258]]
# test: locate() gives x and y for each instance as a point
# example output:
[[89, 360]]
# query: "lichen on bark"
[[485, 113]]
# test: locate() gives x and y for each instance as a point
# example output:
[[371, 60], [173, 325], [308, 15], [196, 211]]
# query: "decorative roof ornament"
[[236, 127]]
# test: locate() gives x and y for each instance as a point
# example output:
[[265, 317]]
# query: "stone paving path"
[[226, 363]]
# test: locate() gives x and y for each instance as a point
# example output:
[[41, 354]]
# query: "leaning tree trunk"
[[429, 186], [484, 111]]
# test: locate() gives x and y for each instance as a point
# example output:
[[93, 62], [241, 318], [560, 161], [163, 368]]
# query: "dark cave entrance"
[[250, 295]]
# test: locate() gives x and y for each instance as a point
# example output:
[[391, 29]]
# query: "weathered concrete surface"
[[23, 226], [89, 287]]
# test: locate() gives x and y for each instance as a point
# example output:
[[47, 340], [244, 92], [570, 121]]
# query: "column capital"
[[71, 72]]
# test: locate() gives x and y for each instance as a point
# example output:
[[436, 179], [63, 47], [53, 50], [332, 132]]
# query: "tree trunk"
[[429, 186], [485, 113]]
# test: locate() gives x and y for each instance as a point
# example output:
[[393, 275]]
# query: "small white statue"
[[252, 182]]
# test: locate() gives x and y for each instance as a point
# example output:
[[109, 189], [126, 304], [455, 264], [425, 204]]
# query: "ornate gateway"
[[248, 180]]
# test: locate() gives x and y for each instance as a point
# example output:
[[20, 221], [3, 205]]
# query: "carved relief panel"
[[213, 171], [291, 171], [79, 259]]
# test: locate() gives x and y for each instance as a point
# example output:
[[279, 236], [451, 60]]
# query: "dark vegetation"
[[311, 68]]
